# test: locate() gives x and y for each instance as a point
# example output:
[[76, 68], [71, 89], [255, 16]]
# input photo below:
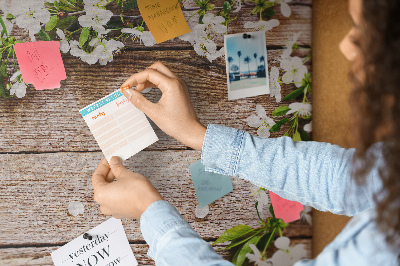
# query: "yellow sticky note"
[[164, 18]]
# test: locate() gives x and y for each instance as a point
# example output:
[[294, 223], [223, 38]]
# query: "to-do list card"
[[106, 246], [118, 126]]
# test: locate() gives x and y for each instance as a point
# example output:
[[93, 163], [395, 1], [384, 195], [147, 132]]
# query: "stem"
[[193, 15], [269, 240], [4, 27]]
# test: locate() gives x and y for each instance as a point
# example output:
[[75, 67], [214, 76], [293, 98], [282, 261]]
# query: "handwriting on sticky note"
[[41, 64], [118, 126], [209, 186], [164, 19], [108, 246], [287, 210]]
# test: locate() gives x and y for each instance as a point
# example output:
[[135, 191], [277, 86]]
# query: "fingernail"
[[115, 160], [128, 93], [124, 88]]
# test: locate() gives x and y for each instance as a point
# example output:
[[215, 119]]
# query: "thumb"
[[117, 168], [138, 100]]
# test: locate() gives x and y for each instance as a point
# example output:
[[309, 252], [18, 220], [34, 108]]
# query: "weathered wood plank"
[[41, 255], [36, 189], [49, 120]]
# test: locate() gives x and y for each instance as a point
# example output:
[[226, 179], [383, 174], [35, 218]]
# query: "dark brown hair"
[[376, 104]]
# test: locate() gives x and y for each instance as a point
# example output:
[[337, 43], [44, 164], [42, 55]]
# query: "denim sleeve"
[[313, 173], [172, 241]]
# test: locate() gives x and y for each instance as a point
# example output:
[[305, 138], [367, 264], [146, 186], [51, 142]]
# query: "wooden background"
[[48, 155]]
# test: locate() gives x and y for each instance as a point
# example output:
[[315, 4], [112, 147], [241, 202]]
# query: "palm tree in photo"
[[262, 59], [239, 54], [230, 60], [247, 60], [255, 58]]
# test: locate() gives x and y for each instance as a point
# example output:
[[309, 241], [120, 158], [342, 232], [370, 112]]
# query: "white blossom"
[[19, 89], [289, 45], [305, 216], [260, 196], [256, 257], [287, 255], [262, 121], [308, 127], [95, 17], [30, 15], [199, 36], [106, 54], [295, 70], [146, 37], [302, 109], [103, 52], [262, 25], [274, 85], [64, 44], [285, 8]]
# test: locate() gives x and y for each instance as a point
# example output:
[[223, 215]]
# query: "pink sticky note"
[[41, 64], [287, 210]]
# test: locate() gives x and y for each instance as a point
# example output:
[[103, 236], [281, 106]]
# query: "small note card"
[[108, 246], [118, 126], [41, 64], [164, 19], [209, 186], [287, 210]]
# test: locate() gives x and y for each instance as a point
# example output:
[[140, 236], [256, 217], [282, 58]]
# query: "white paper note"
[[118, 126], [109, 247]]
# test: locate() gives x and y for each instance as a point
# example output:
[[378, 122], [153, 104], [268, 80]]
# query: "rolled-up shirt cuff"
[[221, 150], [159, 219]]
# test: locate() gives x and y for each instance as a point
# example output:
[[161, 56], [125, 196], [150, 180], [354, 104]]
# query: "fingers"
[[158, 79], [100, 174], [117, 167], [160, 67], [140, 102]]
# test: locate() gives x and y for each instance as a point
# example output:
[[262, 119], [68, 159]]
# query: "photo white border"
[[246, 92]]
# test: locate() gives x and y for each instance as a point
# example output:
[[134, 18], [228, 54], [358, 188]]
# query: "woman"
[[328, 175]]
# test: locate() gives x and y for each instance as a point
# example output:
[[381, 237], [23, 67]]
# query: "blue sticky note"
[[209, 186]]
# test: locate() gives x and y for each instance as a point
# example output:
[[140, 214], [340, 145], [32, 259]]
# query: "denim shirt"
[[312, 173]]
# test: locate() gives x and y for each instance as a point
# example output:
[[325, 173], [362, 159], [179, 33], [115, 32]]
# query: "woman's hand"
[[173, 113], [128, 196]]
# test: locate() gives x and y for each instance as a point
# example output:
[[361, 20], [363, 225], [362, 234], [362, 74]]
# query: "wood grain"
[[49, 120], [37, 188], [41, 255]]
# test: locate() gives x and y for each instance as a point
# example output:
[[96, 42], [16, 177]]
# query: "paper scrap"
[[209, 186], [118, 126], [287, 210], [164, 19], [41, 64], [108, 246]]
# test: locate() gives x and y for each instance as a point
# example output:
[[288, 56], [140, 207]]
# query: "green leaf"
[[51, 23], [269, 12], [277, 126], [304, 135], [294, 94], [233, 233], [238, 242], [84, 36], [130, 5], [271, 211], [296, 136], [43, 35], [281, 110], [10, 16], [64, 23], [227, 7], [246, 249]]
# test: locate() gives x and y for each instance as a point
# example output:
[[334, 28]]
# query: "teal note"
[[209, 186]]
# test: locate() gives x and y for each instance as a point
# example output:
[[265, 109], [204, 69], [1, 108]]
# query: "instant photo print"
[[246, 64]]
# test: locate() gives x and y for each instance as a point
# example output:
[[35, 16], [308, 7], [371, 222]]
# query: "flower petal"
[[261, 111], [282, 242], [254, 121], [285, 9]]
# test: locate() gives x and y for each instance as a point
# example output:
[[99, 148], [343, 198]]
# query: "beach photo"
[[246, 64]]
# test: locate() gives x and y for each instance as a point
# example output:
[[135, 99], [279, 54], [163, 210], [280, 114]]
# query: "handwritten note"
[[209, 186], [118, 126], [41, 64], [287, 210], [164, 19], [108, 246]]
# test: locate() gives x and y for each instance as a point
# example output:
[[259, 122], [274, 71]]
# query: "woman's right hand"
[[173, 113]]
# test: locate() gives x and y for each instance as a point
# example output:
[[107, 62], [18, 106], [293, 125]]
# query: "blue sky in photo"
[[248, 47]]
